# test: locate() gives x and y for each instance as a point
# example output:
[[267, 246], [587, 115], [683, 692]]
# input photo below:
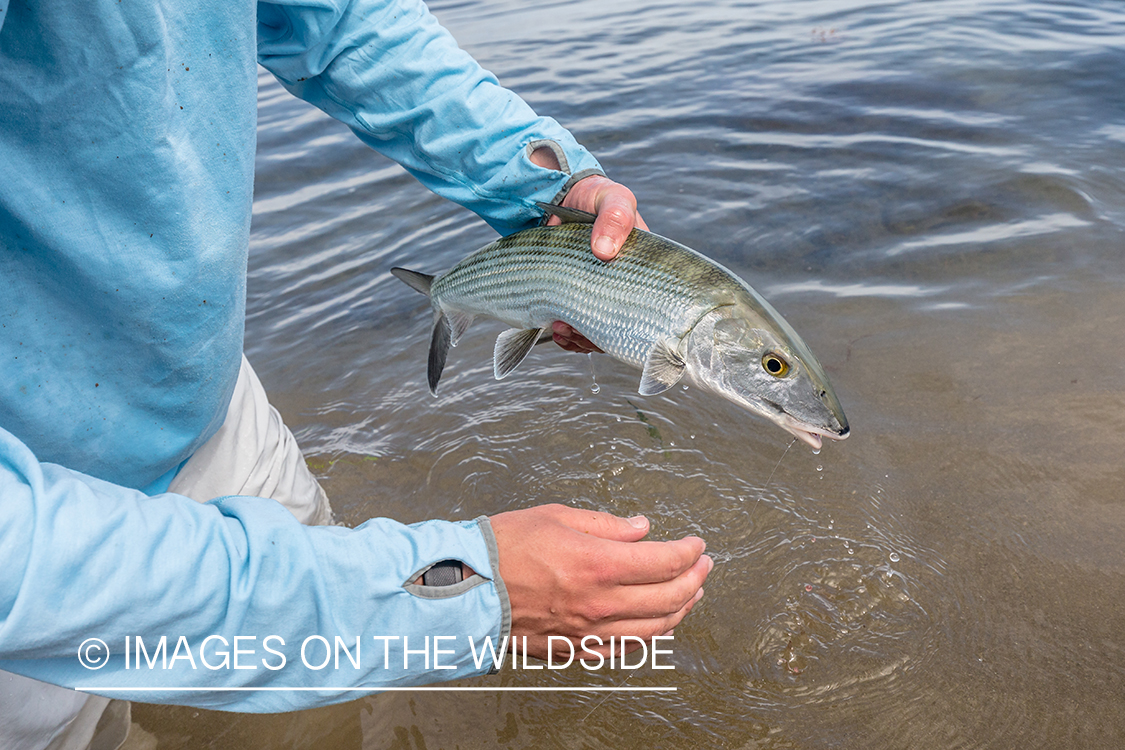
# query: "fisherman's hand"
[[574, 573], [616, 209]]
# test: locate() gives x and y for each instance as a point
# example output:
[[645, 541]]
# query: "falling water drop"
[[819, 467], [893, 557], [595, 388]]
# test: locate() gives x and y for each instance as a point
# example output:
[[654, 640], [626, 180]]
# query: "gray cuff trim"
[[558, 199], [442, 592], [555, 148], [485, 527]]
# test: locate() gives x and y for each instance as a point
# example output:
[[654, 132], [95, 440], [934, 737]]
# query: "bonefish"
[[659, 306]]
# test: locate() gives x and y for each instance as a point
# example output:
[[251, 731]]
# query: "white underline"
[[630, 689]]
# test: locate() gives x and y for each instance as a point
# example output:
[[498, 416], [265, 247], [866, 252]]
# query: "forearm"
[[87, 559], [388, 70]]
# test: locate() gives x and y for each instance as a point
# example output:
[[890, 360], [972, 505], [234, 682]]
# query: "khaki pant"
[[253, 453]]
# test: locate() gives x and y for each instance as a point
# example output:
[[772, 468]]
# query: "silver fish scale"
[[654, 289]]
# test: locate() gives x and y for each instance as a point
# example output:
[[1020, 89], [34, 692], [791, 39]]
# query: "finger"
[[653, 562], [603, 525], [617, 214], [539, 647], [619, 647], [657, 599], [578, 346], [615, 210], [647, 629], [572, 340], [644, 628]]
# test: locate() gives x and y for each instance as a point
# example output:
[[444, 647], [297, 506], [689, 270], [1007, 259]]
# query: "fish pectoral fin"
[[663, 368], [568, 215], [439, 347], [512, 347], [459, 322], [419, 282]]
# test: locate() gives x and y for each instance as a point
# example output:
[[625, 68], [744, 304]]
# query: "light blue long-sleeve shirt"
[[127, 137]]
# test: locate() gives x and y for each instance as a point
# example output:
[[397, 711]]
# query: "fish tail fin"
[[419, 282], [449, 325], [439, 347]]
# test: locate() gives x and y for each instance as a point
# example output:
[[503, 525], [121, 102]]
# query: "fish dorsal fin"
[[568, 215], [663, 368], [439, 347], [512, 346], [419, 282], [459, 322]]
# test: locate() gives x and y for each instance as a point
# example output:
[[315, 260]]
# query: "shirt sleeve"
[[397, 78], [230, 604]]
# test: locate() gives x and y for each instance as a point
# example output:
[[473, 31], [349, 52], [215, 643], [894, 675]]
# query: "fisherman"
[[127, 136]]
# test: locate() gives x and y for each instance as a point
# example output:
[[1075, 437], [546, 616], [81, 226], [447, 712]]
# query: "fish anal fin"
[[419, 282], [568, 215], [663, 368], [439, 347], [512, 347]]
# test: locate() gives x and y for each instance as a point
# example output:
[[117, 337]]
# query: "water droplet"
[[595, 388], [819, 467], [816, 451], [685, 388], [893, 557], [692, 437]]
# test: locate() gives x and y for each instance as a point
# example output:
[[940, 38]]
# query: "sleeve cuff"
[[485, 527]]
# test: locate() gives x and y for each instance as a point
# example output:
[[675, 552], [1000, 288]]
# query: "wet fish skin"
[[658, 306]]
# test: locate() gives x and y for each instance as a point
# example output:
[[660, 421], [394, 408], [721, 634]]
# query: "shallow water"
[[933, 194]]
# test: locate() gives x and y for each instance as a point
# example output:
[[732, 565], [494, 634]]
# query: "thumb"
[[617, 213], [606, 525]]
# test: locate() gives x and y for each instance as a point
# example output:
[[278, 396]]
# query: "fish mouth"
[[810, 433]]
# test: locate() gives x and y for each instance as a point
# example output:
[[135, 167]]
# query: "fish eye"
[[775, 365]]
